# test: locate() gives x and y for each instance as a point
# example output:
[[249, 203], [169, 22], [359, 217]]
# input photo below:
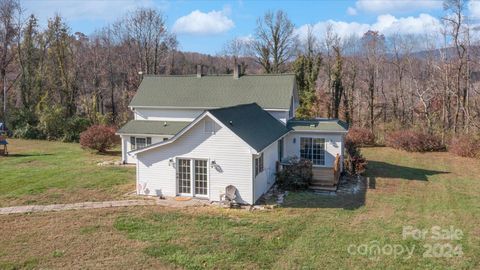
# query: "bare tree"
[[10, 10], [373, 43], [459, 33], [145, 31], [275, 41]]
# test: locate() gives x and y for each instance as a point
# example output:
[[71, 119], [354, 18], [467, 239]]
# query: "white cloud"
[[474, 9], [385, 24], [351, 11], [246, 39], [391, 6], [200, 23]]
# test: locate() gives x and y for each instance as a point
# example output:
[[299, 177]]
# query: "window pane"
[[132, 143], [184, 184], [149, 141], [141, 142], [318, 151], [306, 148], [201, 177]]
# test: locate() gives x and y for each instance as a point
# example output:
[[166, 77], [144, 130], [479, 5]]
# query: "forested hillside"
[[56, 83]]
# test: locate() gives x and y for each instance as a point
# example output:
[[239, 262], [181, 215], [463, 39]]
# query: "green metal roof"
[[252, 124], [326, 125], [152, 127], [215, 91]]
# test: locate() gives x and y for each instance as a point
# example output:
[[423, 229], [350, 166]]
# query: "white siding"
[[264, 180], [333, 145], [280, 115], [186, 114], [126, 146], [167, 114], [231, 154]]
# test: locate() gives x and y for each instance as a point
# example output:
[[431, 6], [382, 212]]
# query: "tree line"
[[56, 83], [426, 82]]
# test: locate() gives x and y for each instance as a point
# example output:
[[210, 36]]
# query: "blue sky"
[[204, 26]]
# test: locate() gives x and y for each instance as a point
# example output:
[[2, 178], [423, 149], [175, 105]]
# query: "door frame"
[[192, 178]]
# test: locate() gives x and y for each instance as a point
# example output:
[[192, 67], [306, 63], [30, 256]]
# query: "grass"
[[309, 232], [44, 172]]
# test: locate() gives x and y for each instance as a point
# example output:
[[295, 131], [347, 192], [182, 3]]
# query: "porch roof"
[[147, 127], [318, 125]]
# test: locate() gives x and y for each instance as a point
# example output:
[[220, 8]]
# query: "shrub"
[[20, 118], [361, 136], [98, 138], [74, 127], [355, 163], [28, 132], [414, 141], [52, 121], [295, 176], [465, 146]]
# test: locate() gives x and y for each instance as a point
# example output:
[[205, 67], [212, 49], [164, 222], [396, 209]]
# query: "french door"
[[192, 175]]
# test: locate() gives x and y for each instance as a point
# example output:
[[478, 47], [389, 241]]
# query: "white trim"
[[174, 138], [192, 177], [324, 150], [137, 176], [145, 135], [319, 131], [185, 129]]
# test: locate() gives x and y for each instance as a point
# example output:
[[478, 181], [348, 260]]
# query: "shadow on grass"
[[28, 155], [352, 196], [113, 153], [380, 169], [310, 199]]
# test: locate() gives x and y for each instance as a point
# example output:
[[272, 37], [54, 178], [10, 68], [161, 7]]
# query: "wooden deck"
[[326, 178]]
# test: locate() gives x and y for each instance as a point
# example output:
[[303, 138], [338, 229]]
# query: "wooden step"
[[327, 188]]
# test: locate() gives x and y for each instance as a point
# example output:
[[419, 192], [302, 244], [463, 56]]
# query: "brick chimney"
[[237, 71], [199, 71]]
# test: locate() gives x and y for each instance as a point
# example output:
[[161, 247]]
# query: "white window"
[[313, 149], [258, 162], [209, 126], [139, 142]]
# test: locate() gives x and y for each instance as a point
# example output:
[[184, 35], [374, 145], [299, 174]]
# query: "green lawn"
[[314, 231], [309, 232], [41, 172]]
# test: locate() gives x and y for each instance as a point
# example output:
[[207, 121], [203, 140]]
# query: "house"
[[195, 135]]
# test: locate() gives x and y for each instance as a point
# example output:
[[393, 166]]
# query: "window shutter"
[[149, 140], [132, 143]]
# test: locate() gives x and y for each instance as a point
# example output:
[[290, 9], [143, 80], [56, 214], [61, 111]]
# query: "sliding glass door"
[[201, 182], [184, 176], [192, 175]]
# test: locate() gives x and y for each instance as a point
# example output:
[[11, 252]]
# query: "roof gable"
[[215, 91], [256, 127], [252, 124]]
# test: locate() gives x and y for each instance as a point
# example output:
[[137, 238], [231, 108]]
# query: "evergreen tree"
[[306, 68]]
